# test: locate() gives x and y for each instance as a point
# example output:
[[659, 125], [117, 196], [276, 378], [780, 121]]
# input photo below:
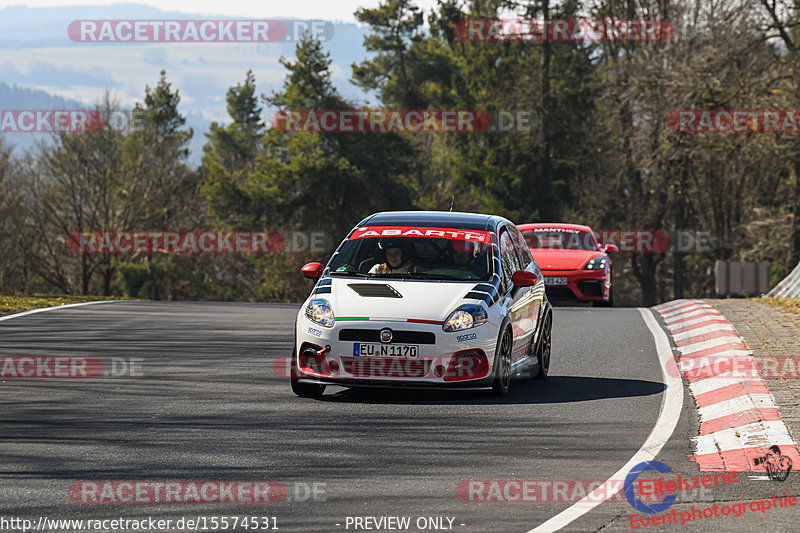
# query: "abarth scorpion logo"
[[386, 335]]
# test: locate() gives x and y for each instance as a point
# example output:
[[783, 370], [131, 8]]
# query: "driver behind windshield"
[[399, 258]]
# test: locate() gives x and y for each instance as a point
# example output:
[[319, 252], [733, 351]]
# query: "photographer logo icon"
[[777, 466]]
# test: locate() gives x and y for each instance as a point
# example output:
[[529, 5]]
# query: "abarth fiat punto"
[[424, 300]]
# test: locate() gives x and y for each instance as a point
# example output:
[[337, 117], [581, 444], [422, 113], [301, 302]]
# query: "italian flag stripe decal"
[[420, 321]]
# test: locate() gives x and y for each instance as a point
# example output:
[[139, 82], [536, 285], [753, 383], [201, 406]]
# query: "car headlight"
[[597, 263], [320, 312], [465, 317]]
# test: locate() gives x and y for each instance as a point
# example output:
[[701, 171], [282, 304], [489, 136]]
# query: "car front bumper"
[[444, 359], [582, 285]]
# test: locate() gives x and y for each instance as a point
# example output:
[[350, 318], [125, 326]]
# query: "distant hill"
[[13, 97], [42, 68]]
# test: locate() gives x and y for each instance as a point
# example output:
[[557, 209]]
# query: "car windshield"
[[445, 255], [560, 239]]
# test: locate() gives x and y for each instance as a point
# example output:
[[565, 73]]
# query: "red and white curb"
[[739, 420]]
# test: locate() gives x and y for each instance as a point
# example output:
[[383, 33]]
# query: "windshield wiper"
[[350, 273], [426, 275]]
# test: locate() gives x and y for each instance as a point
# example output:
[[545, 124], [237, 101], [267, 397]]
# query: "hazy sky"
[[202, 71], [302, 9]]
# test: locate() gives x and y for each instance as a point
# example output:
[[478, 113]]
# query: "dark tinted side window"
[[509, 260], [522, 248]]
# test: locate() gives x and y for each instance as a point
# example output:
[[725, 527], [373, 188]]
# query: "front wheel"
[[502, 376], [605, 303], [545, 347], [307, 390]]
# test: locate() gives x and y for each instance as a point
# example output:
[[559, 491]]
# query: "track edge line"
[[666, 422]]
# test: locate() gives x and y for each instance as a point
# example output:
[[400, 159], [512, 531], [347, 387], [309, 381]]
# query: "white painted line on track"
[[660, 434], [756, 435], [692, 333], [672, 305], [671, 315], [713, 383], [737, 404], [699, 320], [728, 338], [676, 321], [43, 309]]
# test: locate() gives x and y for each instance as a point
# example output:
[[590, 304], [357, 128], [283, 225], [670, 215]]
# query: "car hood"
[[563, 259], [420, 299]]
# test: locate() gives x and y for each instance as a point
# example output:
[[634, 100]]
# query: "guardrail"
[[788, 287], [741, 278]]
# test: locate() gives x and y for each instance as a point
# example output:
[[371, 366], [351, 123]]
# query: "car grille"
[[559, 293], [391, 367], [398, 337], [591, 287]]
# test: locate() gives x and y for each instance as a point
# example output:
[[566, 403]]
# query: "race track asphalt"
[[206, 403]]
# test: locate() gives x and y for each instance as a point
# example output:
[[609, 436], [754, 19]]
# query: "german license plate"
[[385, 350], [555, 282]]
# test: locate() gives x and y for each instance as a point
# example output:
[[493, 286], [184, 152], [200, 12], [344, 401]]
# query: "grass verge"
[[790, 305], [15, 304]]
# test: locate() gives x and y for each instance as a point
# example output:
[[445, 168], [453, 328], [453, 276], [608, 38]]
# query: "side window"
[[508, 258], [522, 248]]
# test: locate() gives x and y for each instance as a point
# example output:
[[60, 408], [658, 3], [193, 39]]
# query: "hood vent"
[[375, 290]]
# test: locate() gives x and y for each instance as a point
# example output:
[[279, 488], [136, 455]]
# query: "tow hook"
[[322, 352]]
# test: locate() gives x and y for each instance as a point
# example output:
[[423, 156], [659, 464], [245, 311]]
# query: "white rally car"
[[424, 299]]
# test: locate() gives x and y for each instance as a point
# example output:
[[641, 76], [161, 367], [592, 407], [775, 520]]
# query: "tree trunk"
[[85, 275], [107, 274], [677, 285], [794, 249], [546, 179], [644, 268]]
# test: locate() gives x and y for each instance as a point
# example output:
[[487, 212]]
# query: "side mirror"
[[611, 248], [524, 278], [312, 270]]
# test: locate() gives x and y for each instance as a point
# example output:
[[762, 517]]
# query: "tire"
[[502, 375], [304, 390], [545, 348], [605, 303], [307, 390]]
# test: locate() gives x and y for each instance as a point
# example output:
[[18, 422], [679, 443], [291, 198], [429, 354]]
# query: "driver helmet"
[[397, 242]]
